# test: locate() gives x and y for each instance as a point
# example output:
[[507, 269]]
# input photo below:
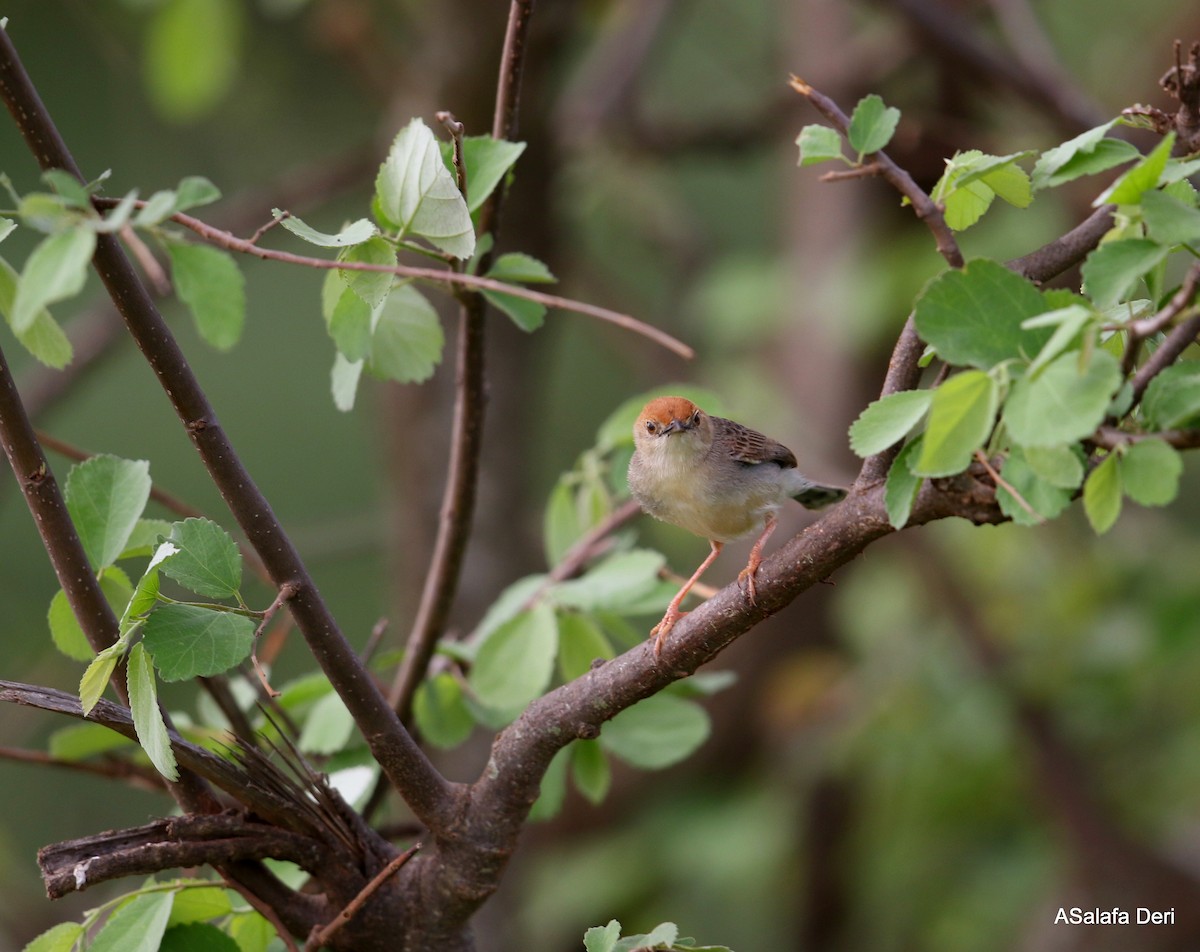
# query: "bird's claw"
[[746, 577], [660, 631]]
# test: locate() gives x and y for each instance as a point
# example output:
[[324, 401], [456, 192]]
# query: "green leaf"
[[514, 663], [553, 789], [590, 770], [1150, 471], [210, 283], [353, 234], [1173, 397], [105, 496], [196, 936], [974, 316], [1067, 323], [97, 675], [208, 561], [408, 339], [662, 936], [872, 125], [59, 938], [526, 314], [518, 268], [960, 418], [147, 716], [80, 741], [441, 713], [43, 338], [656, 732], [1058, 465], [888, 420], [54, 271], [189, 641], [137, 926], [372, 286], [417, 194], [252, 932], [1086, 154], [966, 203], [562, 524], [487, 161], [328, 727], [191, 192], [580, 643], [1046, 500], [1110, 272], [613, 582], [602, 938], [64, 627], [900, 491], [192, 52], [1129, 188], [7, 227], [1065, 402], [143, 541], [1169, 221], [1102, 494], [819, 144], [350, 324], [344, 379]]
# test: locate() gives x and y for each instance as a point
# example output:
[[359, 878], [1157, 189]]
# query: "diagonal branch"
[[429, 795]]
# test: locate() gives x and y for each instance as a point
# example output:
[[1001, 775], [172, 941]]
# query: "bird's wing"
[[749, 446]]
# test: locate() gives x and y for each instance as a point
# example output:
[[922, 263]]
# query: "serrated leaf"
[[147, 716], [1129, 188], [961, 416], [872, 125], [441, 713], [602, 938], [662, 936], [518, 268], [974, 316], [1102, 494], [97, 675], [372, 286], [43, 337], [819, 144], [487, 161], [207, 561], [1065, 402], [1111, 271], [1169, 221], [656, 732], [194, 191], [137, 926], [1058, 465], [1052, 167], [189, 641], [900, 491], [888, 420], [1173, 397], [1150, 471], [417, 193], [613, 582], [54, 271], [526, 314], [143, 541], [965, 204], [580, 643], [1067, 322], [1046, 500], [105, 496], [353, 234], [59, 938], [211, 284], [68, 636], [407, 343], [590, 770], [514, 663]]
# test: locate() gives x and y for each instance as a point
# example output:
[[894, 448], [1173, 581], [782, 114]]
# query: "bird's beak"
[[676, 426]]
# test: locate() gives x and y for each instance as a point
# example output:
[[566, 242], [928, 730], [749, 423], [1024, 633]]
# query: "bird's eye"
[[651, 426]]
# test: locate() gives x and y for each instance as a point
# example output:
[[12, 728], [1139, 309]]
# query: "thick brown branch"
[[1065, 252]]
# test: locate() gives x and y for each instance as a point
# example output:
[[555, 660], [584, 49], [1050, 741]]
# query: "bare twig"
[[456, 129], [145, 778], [1110, 437], [321, 935], [1138, 331], [1003, 483], [1177, 340]]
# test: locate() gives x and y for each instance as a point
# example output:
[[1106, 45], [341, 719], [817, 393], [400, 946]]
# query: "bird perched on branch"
[[717, 479]]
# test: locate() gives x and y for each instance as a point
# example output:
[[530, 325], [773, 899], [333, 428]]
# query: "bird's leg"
[[673, 613], [747, 574]]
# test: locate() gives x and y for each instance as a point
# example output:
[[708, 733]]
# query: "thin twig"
[[145, 778], [159, 280], [286, 591], [1177, 340], [456, 129], [925, 208], [1138, 331], [322, 934], [466, 441], [1003, 483]]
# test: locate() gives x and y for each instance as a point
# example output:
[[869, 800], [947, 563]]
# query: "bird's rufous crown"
[[665, 409]]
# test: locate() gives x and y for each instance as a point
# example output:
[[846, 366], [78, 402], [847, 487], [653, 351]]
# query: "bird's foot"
[[746, 579], [660, 631]]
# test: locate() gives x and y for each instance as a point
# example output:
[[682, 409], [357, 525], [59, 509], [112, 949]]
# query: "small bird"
[[714, 478]]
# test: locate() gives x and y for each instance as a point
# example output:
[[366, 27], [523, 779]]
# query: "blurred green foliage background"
[[969, 729]]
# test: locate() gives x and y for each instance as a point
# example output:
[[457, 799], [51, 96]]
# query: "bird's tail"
[[815, 496]]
